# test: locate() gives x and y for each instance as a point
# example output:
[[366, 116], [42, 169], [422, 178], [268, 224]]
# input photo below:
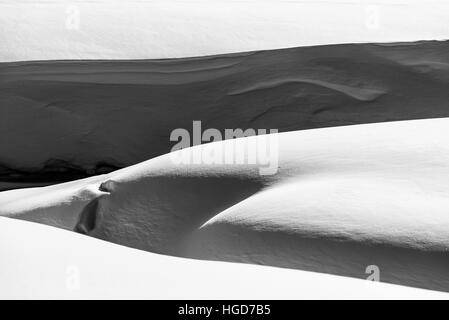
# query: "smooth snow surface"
[[66, 120], [130, 29], [52, 263], [342, 199]]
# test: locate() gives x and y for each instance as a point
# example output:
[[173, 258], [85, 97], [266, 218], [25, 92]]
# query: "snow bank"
[[52, 263], [342, 199], [66, 120], [56, 30]]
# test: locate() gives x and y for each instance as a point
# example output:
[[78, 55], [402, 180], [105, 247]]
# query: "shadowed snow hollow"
[[65, 120]]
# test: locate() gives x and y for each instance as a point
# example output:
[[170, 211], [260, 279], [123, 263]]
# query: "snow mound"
[[342, 199], [69, 266]]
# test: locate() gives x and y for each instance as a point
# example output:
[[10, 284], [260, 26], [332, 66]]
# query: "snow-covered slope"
[[88, 87], [342, 199], [52, 263], [149, 29], [70, 119]]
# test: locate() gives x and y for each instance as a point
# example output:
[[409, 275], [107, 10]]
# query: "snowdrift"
[[65, 120], [342, 199], [55, 264], [155, 29]]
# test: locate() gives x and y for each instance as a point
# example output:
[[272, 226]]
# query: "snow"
[[81, 96], [64, 120], [56, 30], [342, 199], [56, 264]]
